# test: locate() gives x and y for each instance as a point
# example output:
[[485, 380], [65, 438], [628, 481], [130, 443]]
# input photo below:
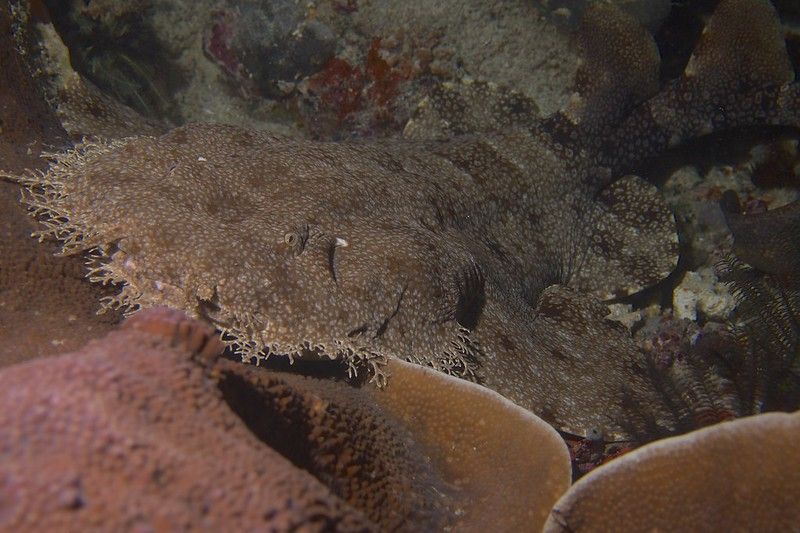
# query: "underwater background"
[[477, 250]]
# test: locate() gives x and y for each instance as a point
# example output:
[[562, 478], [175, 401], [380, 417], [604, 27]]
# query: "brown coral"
[[145, 428], [735, 476], [45, 305], [120, 435], [478, 446], [457, 457]]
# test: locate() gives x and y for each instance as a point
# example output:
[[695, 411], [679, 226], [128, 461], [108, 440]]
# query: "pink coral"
[[130, 433]]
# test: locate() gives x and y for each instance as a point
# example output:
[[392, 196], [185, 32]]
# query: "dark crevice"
[[679, 33], [256, 409], [121, 54]]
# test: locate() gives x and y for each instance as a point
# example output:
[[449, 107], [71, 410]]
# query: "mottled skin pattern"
[[767, 241], [483, 255]]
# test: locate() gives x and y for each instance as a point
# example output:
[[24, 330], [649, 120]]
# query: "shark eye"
[[296, 240], [595, 435]]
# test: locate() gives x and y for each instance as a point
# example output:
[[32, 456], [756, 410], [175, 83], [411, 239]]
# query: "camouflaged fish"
[[482, 245]]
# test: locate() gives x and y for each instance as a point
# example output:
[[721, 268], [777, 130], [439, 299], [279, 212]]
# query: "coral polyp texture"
[[119, 435], [693, 483], [147, 429]]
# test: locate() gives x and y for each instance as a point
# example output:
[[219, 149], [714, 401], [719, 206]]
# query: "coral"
[[120, 435], [473, 256], [488, 443], [147, 428], [716, 373], [274, 50], [481, 245], [385, 78], [45, 305], [700, 292], [740, 475], [475, 444], [339, 86], [509, 44], [359, 96], [218, 44], [751, 366]]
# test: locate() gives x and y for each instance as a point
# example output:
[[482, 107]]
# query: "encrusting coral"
[[147, 428], [119, 436], [480, 449], [735, 476], [45, 304], [475, 441], [481, 256]]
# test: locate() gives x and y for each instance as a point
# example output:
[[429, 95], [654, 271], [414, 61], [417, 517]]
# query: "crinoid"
[[753, 366]]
